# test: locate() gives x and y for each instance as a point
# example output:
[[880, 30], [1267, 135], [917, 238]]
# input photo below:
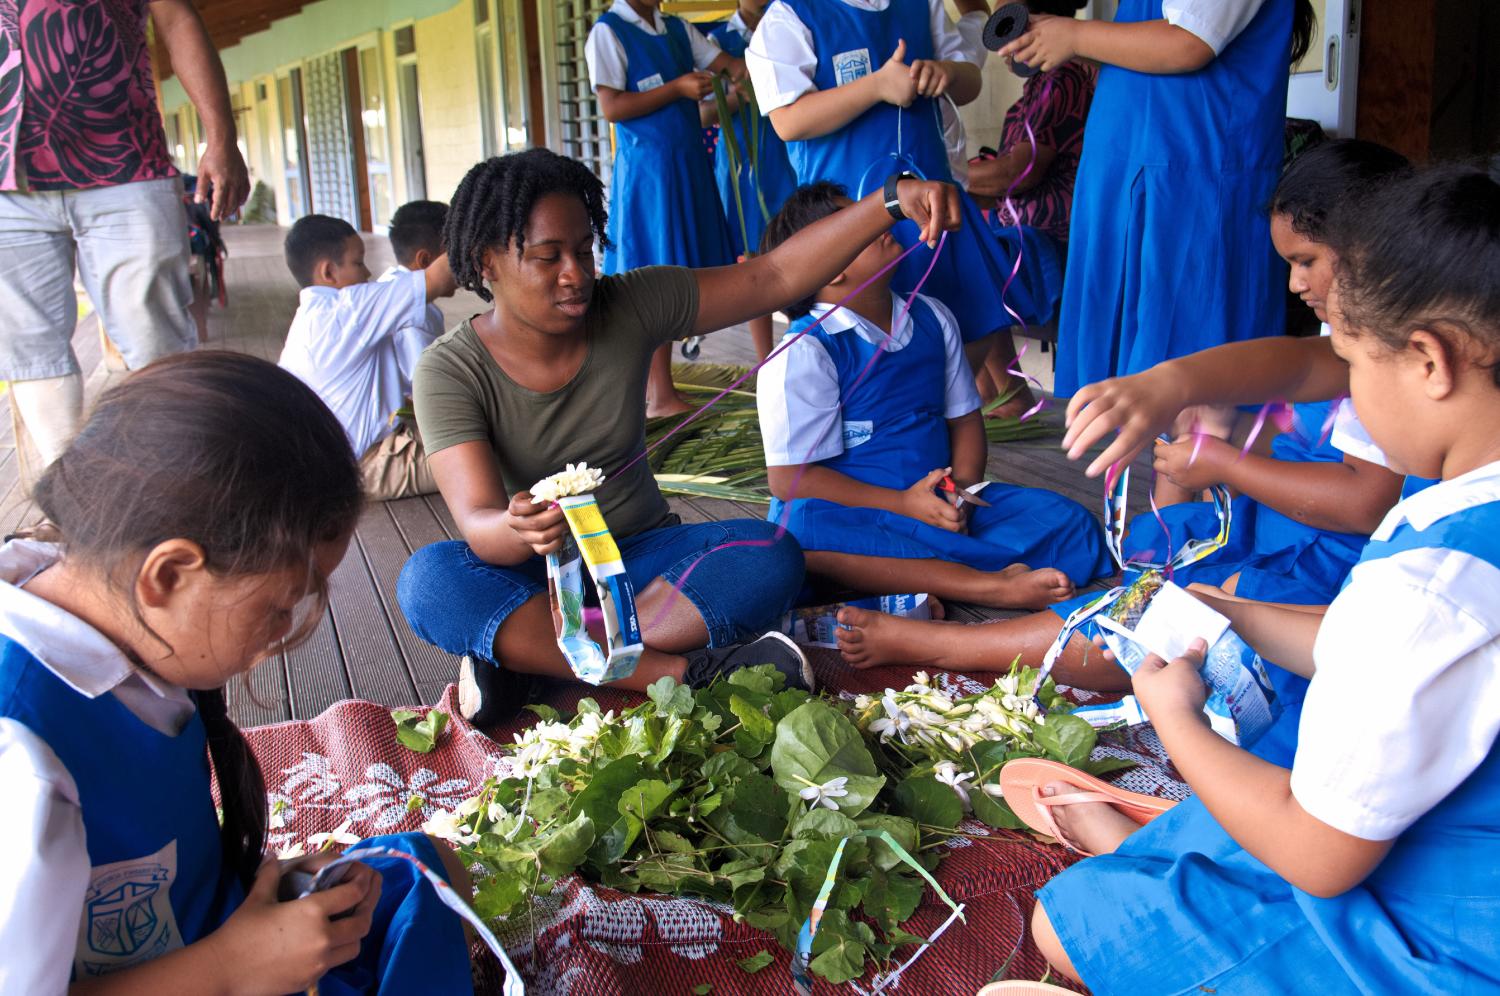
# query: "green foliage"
[[419, 733]]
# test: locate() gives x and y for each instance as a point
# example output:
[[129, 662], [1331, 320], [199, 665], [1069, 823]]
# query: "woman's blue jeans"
[[456, 601]]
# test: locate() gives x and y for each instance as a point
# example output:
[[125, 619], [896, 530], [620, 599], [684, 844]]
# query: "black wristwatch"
[[892, 201]]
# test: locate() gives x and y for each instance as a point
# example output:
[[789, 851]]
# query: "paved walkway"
[[363, 646]]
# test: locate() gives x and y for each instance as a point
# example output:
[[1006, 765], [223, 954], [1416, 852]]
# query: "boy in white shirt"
[[416, 236], [355, 342]]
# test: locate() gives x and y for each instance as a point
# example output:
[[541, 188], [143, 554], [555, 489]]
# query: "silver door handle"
[[1331, 64]]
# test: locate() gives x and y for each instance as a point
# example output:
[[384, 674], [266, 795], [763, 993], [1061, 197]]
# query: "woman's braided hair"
[[493, 205]]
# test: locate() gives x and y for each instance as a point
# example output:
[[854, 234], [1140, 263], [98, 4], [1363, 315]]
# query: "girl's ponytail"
[[242, 787]]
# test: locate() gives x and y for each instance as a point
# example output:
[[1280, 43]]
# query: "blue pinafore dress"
[[1169, 251], [158, 880], [776, 179], [1181, 908], [663, 204], [851, 43], [894, 435]]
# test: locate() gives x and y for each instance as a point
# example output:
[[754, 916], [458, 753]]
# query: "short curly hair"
[[492, 207]]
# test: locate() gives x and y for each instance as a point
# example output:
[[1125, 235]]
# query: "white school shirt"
[[781, 58], [356, 347], [44, 859], [797, 391], [1405, 702], [605, 55], [1215, 22], [970, 28]]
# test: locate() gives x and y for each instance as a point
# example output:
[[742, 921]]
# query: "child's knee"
[[1047, 941]]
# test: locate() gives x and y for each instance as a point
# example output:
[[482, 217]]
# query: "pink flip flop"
[[1021, 780], [1023, 987]]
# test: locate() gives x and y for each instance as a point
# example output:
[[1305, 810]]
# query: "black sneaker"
[[703, 666], [489, 694]]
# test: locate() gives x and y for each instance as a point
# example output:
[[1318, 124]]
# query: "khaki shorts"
[[396, 467]]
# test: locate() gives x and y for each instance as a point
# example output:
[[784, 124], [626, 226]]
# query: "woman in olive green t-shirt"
[[555, 373]]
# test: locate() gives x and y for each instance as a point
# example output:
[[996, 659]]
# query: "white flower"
[[947, 772], [863, 702], [825, 794], [290, 851], [577, 479], [449, 826], [993, 790], [1009, 684], [922, 678], [895, 722], [339, 835]]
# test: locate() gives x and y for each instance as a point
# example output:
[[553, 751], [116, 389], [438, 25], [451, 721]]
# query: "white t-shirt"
[[356, 348], [44, 859], [1216, 22], [781, 59], [797, 392], [606, 56], [1405, 702]]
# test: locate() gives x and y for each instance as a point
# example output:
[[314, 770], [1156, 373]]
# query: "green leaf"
[[892, 897], [784, 703], [756, 811], [498, 895], [995, 812], [675, 842], [1107, 765], [703, 989], [563, 849], [816, 744], [899, 937], [756, 962], [1066, 738], [927, 800], [762, 678], [989, 757], [671, 698], [904, 832], [645, 798], [600, 799], [839, 948], [545, 712], [417, 733], [753, 721], [803, 865], [745, 871], [726, 768], [824, 824]]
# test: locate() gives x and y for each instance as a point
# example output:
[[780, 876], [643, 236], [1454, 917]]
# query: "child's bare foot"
[[870, 639], [936, 609], [1093, 827], [1016, 404], [667, 404], [1020, 587]]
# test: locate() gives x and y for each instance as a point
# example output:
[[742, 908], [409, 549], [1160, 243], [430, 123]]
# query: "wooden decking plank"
[[417, 523], [260, 697], [373, 660], [316, 676], [385, 550]]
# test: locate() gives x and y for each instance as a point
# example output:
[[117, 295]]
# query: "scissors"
[[961, 495]]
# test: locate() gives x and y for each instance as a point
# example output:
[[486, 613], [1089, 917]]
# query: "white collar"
[[1478, 487], [843, 319], [316, 292], [394, 271], [81, 656], [620, 8], [737, 24]]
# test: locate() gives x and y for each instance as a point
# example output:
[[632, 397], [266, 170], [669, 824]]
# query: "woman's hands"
[[922, 502], [275, 947], [539, 526], [1049, 41]]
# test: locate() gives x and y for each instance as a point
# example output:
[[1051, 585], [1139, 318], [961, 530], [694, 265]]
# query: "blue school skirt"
[[1022, 526]]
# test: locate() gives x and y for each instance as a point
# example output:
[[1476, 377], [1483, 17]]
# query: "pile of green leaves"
[[697, 793]]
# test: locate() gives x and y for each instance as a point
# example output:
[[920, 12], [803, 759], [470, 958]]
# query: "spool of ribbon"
[[1005, 25]]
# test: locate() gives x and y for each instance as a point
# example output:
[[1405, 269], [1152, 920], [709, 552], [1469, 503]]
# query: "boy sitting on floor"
[[356, 341], [416, 236], [858, 446]]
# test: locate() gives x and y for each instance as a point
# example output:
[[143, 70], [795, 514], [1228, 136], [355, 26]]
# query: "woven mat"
[[586, 940]]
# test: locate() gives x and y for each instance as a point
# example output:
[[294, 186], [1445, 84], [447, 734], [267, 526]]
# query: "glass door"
[[1323, 84]]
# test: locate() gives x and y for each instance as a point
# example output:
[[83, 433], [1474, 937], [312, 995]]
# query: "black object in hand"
[[1005, 25]]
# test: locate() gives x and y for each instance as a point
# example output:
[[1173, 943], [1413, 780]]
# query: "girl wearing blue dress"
[[649, 71], [868, 415], [769, 182], [1168, 254], [1368, 866], [208, 496], [852, 86]]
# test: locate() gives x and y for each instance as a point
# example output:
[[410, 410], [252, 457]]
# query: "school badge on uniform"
[[127, 913], [649, 83], [858, 433], [850, 66]]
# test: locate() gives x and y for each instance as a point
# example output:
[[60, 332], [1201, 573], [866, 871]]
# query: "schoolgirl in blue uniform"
[[649, 71], [852, 85], [1368, 867], [863, 419], [1168, 254], [207, 496]]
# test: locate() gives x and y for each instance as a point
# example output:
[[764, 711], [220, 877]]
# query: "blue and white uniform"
[[663, 202], [1397, 743], [806, 45], [776, 179], [111, 842], [828, 400], [1169, 252]]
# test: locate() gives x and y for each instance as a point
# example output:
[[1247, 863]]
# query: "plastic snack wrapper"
[[1149, 614], [818, 626], [589, 544]]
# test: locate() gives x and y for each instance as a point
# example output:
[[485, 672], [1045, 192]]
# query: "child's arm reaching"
[[1142, 406], [920, 501], [1348, 497], [969, 447], [625, 105], [1144, 46], [1250, 798]]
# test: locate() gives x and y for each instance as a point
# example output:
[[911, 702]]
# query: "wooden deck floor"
[[363, 646]]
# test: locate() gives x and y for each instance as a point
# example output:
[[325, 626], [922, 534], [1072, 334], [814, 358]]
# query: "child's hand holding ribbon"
[[1194, 463]]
